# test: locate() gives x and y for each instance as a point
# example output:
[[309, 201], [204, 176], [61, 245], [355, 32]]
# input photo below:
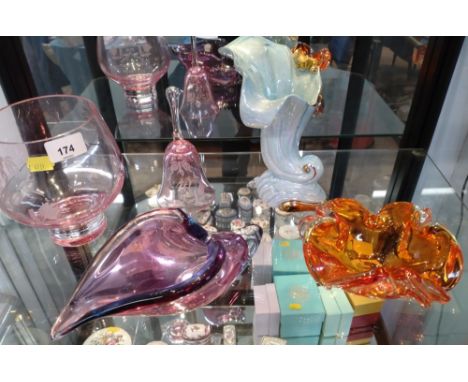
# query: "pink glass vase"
[[184, 184], [136, 63], [60, 167]]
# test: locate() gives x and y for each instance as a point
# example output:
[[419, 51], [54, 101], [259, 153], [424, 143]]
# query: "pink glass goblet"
[[60, 167], [136, 63]]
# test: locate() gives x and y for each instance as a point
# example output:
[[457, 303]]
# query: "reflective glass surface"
[[37, 277]]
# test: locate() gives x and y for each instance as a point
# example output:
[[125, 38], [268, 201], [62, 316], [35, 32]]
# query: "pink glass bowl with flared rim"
[[136, 63], [67, 197]]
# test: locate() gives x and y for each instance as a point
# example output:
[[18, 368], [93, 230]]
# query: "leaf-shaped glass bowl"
[[159, 263], [395, 253]]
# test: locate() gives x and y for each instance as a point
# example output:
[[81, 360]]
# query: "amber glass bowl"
[[396, 253]]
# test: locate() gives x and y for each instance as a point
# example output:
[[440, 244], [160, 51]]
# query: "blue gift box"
[[288, 257], [327, 340], [347, 315], [312, 340], [301, 309], [338, 318], [332, 320]]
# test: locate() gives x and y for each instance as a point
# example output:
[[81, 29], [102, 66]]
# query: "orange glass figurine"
[[395, 253], [307, 60]]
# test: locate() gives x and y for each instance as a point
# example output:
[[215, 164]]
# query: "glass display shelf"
[[374, 117], [37, 277]]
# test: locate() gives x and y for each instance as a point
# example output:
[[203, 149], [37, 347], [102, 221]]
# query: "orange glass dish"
[[395, 253]]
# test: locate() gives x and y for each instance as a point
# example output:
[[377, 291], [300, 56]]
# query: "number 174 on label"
[[65, 148]]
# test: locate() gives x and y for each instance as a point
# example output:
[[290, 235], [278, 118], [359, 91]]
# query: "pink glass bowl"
[[136, 63], [67, 197], [160, 263]]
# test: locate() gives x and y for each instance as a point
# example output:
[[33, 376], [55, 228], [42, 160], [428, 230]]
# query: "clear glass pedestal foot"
[[80, 235]]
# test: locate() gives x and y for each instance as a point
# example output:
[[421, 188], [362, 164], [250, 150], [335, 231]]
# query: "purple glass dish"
[[237, 258], [224, 79], [160, 263]]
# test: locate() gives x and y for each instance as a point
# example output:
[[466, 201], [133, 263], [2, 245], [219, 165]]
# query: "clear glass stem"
[[174, 95], [142, 100], [81, 235]]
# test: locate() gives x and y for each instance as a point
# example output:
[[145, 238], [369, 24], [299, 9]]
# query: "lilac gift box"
[[262, 272], [266, 320]]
